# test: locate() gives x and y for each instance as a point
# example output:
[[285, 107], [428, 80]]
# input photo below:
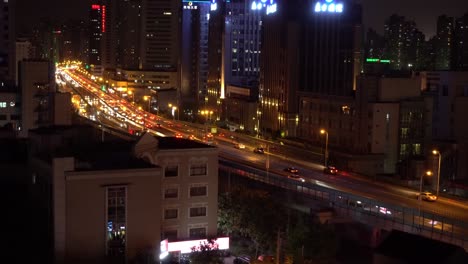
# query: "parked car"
[[292, 170], [427, 196], [259, 150], [330, 170]]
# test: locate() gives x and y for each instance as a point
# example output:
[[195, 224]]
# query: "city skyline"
[[374, 12]]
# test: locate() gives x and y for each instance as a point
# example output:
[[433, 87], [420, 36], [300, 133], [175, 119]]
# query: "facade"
[[444, 44], [450, 90], [242, 111], [189, 185], [40, 104], [194, 54], [137, 193], [7, 40], [10, 107], [24, 50], [461, 43], [95, 36], [404, 42], [306, 54]]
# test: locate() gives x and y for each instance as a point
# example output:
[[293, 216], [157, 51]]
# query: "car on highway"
[[426, 196], [179, 135], [296, 177], [330, 170], [259, 151], [239, 146], [292, 170]]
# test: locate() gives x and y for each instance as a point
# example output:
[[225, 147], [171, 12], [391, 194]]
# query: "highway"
[[117, 112]]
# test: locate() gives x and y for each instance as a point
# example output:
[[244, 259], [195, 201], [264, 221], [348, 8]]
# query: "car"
[[292, 170], [239, 146], [191, 137], [426, 196], [330, 170], [179, 135], [296, 177], [259, 151]]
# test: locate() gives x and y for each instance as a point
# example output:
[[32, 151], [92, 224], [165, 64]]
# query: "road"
[[115, 111]]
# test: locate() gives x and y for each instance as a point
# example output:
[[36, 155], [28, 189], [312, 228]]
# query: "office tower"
[[24, 50], [461, 43], [7, 40], [194, 52], [95, 36], [445, 27], [402, 40], [130, 34], [161, 29], [308, 50]]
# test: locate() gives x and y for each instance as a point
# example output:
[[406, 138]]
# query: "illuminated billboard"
[[329, 6], [269, 6]]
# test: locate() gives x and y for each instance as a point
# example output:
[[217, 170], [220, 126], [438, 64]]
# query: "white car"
[[427, 196]]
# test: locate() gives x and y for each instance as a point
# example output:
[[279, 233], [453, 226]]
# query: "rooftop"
[[179, 143]]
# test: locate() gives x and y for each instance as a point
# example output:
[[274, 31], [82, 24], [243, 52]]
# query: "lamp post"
[[428, 173], [436, 152], [148, 99], [323, 131], [173, 109]]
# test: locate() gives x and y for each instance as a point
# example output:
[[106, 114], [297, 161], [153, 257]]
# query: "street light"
[[436, 152], [323, 131], [148, 98], [428, 173], [174, 108]]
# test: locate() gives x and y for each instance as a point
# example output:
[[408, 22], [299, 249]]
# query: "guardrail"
[[362, 209]]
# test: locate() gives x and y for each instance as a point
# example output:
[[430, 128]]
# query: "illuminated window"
[[417, 149], [116, 221], [3, 104]]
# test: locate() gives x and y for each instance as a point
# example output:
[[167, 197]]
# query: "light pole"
[[173, 108], [148, 98], [436, 152], [323, 131], [428, 173]]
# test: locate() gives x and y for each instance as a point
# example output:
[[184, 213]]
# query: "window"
[[171, 213], [3, 117], [171, 171], [116, 221], [197, 211], [15, 117], [444, 90], [198, 170], [171, 235], [198, 191], [3, 104], [171, 193], [199, 232]]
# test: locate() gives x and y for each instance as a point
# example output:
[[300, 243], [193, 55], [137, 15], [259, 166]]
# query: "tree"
[[206, 253], [308, 240], [253, 214]]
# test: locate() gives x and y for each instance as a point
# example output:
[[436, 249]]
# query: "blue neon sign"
[[328, 7], [213, 5], [270, 6]]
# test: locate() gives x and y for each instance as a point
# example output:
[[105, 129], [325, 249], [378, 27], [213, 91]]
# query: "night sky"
[[424, 12]]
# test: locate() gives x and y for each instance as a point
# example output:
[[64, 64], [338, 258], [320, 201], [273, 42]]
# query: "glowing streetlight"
[[323, 131], [436, 152]]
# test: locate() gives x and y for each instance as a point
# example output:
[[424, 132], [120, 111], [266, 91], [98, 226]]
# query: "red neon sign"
[[103, 18], [95, 7]]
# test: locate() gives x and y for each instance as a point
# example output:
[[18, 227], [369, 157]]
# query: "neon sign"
[[328, 7], [270, 6], [190, 6], [103, 18], [95, 7], [213, 5]]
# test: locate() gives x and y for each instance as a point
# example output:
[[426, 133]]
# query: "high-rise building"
[[95, 35], [375, 44], [7, 40], [161, 29], [24, 50], [403, 42], [309, 50], [130, 34], [460, 43], [444, 42], [194, 52]]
